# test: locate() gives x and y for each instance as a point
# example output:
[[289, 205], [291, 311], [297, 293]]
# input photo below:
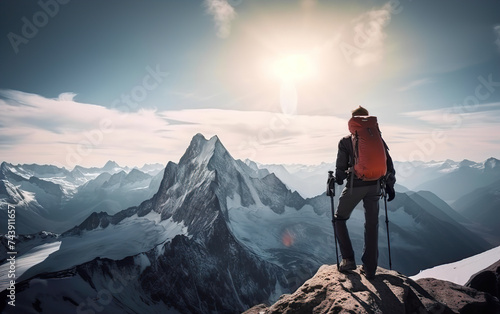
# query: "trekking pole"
[[330, 191], [383, 183]]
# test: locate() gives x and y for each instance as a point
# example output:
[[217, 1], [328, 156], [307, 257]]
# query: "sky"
[[84, 82]]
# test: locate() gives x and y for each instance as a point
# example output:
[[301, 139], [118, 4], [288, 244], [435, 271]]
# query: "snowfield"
[[24, 262], [113, 242], [461, 271]]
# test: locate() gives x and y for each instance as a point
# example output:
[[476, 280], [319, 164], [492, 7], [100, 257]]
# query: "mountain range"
[[213, 234], [55, 199], [466, 190], [447, 179]]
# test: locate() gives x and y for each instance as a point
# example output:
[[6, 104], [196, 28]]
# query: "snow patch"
[[127, 238], [278, 292], [460, 272], [28, 196], [143, 261], [262, 230], [24, 262], [206, 152]]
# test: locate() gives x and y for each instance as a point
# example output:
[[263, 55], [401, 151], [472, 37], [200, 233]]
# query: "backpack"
[[370, 160]]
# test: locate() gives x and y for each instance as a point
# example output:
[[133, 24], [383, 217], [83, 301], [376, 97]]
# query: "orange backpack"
[[370, 160]]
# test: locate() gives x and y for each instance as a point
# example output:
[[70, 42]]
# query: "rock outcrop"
[[460, 299], [330, 291], [487, 280]]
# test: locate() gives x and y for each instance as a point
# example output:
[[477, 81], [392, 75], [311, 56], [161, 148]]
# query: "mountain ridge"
[[229, 277]]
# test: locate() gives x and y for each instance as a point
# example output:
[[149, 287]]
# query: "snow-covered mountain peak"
[[137, 175], [8, 170], [201, 150], [466, 163], [4, 167], [491, 163], [110, 166], [196, 190], [152, 169]]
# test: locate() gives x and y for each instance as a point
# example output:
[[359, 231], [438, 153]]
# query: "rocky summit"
[[330, 291]]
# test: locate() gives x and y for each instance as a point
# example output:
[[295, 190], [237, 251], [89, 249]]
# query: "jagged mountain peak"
[[491, 163], [201, 150], [8, 171], [4, 167], [197, 189], [110, 165], [136, 174], [466, 163], [95, 220], [115, 178]]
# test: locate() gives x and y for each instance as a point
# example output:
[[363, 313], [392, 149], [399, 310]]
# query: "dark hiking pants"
[[370, 196]]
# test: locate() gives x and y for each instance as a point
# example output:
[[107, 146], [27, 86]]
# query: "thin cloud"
[[448, 133], [223, 13], [65, 132], [415, 84], [193, 95], [460, 116], [369, 35], [66, 96]]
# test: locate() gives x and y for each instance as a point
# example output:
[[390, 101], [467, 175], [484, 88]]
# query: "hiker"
[[363, 183]]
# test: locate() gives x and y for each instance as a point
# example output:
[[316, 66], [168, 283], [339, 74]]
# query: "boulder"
[[487, 280], [330, 291], [460, 299]]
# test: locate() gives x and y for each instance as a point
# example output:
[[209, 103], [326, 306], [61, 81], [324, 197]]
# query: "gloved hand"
[[339, 181], [389, 190]]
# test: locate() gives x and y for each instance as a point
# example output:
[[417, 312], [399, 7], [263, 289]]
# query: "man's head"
[[360, 111]]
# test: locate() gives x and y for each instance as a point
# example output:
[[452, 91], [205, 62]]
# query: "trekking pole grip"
[[331, 184]]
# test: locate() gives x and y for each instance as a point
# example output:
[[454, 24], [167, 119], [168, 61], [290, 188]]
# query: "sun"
[[293, 67]]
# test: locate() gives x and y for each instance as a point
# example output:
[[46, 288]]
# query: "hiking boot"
[[347, 264], [368, 275]]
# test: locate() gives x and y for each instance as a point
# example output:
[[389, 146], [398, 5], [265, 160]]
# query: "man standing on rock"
[[363, 159]]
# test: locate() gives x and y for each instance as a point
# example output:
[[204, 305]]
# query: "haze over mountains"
[[467, 191], [448, 179], [209, 233]]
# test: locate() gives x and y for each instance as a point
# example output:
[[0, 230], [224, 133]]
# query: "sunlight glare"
[[293, 67]]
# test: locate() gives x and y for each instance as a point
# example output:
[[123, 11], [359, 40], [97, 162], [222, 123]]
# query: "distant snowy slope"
[[465, 178], [23, 263], [447, 179], [430, 200], [461, 271], [127, 237], [49, 198]]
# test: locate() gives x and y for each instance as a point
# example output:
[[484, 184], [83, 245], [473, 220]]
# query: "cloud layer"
[[455, 131], [66, 132], [62, 131]]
